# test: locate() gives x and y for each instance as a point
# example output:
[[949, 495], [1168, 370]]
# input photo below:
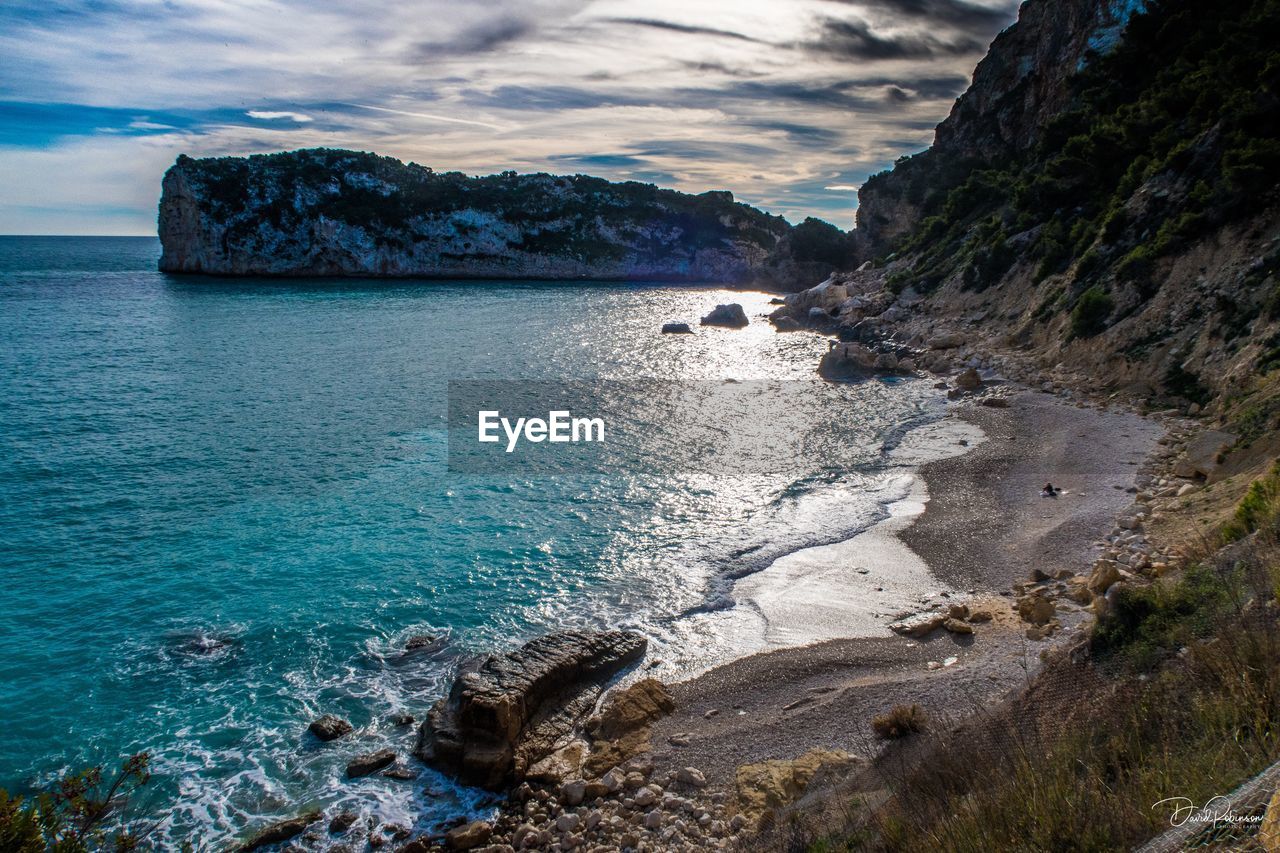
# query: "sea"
[[227, 504]]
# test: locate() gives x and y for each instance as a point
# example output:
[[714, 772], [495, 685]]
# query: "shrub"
[[1089, 317], [901, 721], [1258, 509], [74, 817]]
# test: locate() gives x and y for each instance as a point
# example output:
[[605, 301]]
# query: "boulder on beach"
[[969, 380], [329, 727], [787, 324], [731, 316], [510, 711], [468, 836], [676, 329], [621, 729]]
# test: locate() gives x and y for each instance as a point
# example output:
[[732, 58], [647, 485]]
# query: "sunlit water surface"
[[225, 505]]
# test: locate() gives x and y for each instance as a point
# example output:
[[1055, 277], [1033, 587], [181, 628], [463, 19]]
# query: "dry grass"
[[1177, 695], [901, 721]]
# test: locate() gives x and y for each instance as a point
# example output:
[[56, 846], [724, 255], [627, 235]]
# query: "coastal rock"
[[787, 324], [1036, 609], [370, 762], [328, 212], [468, 836], [942, 342], [731, 316], [621, 729], [847, 361], [565, 763], [969, 380], [1204, 454], [770, 785], [955, 626], [919, 626], [512, 710], [691, 776], [342, 822], [280, 831], [329, 727], [1105, 575], [676, 329]]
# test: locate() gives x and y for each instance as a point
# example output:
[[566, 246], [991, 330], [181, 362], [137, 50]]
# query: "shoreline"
[[983, 528]]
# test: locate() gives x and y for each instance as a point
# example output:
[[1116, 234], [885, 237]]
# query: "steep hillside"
[[1104, 197], [330, 212]]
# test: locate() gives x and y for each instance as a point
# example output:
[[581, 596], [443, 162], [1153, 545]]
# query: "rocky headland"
[[324, 212]]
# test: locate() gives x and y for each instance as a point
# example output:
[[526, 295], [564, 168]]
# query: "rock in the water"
[[370, 762], [787, 324], [676, 329], [468, 836], [621, 729], [280, 831], [330, 727], [342, 822], [731, 316], [503, 716], [847, 361]]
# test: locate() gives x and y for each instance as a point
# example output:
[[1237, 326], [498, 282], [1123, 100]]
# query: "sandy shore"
[[983, 528]]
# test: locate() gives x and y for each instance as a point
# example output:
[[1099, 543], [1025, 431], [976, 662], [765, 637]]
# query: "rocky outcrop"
[[729, 316], [512, 710], [326, 212], [621, 729], [1017, 89], [329, 727]]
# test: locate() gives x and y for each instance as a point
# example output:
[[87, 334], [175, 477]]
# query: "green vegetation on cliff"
[[1169, 137]]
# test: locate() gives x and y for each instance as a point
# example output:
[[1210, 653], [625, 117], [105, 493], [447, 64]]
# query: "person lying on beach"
[[1049, 491]]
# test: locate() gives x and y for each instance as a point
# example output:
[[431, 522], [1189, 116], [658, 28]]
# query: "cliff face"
[[333, 213], [1018, 89], [1105, 199]]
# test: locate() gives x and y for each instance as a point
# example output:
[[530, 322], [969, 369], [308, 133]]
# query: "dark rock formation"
[[330, 213], [330, 727], [280, 831], [370, 762], [1018, 88], [729, 316], [676, 329], [514, 709]]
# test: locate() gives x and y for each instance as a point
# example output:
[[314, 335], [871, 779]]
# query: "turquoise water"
[[225, 504]]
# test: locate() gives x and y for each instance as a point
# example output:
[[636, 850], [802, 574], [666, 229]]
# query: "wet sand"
[[984, 527]]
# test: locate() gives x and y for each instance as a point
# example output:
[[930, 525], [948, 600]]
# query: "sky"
[[789, 104]]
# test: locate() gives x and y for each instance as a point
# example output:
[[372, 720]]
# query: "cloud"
[[688, 29], [277, 115], [774, 101], [856, 40], [844, 188]]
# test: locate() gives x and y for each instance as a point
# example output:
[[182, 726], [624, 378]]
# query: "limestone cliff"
[[1104, 199], [1018, 89], [330, 213]]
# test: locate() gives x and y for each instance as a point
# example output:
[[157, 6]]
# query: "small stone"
[[468, 835], [691, 776], [573, 792], [653, 819], [568, 822]]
